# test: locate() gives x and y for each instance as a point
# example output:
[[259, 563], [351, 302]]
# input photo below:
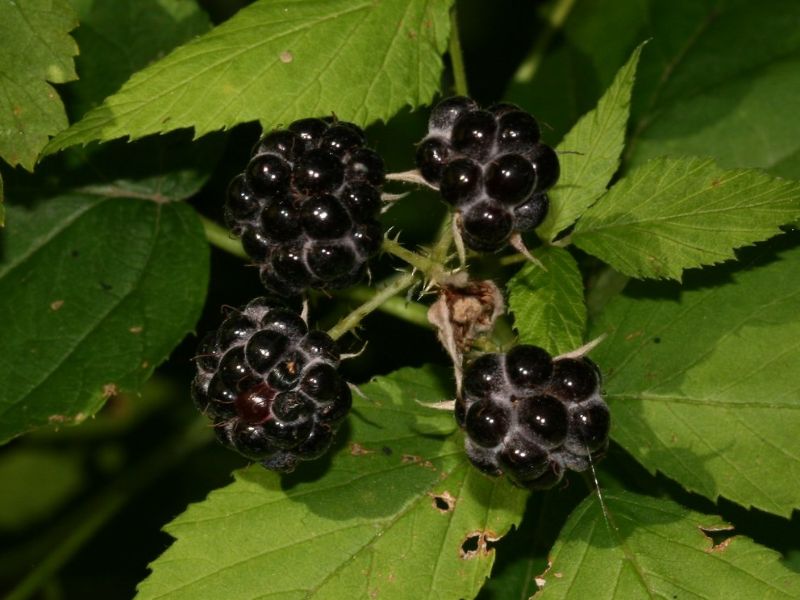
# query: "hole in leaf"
[[470, 545], [720, 536], [443, 502], [478, 542]]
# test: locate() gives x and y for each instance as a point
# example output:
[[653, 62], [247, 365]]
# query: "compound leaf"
[[36, 49], [398, 513], [702, 382], [673, 214], [590, 153], [101, 288], [548, 305], [641, 547], [276, 61]]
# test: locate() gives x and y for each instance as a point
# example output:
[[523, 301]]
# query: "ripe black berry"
[[589, 426], [501, 108], [242, 202], [432, 156], [486, 226], [323, 217], [545, 163], [461, 180], [530, 214], [445, 113], [268, 174], [524, 415], [255, 243], [280, 221], [516, 131], [473, 133], [250, 440], [523, 459], [366, 165], [574, 379], [328, 261], [271, 387], [510, 178], [492, 154], [264, 349], [342, 138], [318, 171], [484, 376], [368, 237], [528, 366], [284, 143], [313, 182], [545, 417], [487, 423], [309, 130]]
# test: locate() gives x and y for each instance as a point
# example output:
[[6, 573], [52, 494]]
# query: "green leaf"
[[2, 207], [276, 61], [119, 38], [548, 305], [721, 80], [101, 288], [654, 548], [674, 214], [702, 383], [43, 480], [36, 48], [591, 153], [388, 517]]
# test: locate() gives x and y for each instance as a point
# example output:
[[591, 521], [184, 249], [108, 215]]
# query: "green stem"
[[558, 15], [393, 287], [457, 56], [90, 517], [419, 262], [443, 242], [220, 237], [402, 308]]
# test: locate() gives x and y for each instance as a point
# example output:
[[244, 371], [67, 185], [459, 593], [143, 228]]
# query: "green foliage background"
[[670, 233]]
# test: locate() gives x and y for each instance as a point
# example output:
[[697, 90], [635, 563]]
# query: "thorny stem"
[[416, 260], [457, 56], [396, 306], [558, 15], [92, 515], [393, 287], [221, 238]]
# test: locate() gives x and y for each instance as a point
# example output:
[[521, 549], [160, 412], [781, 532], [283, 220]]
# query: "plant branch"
[[402, 308], [457, 56], [393, 287], [90, 517], [220, 237], [416, 260]]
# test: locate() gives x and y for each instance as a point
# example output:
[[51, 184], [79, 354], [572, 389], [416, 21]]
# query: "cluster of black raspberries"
[[306, 209], [306, 206], [491, 166], [532, 417], [271, 386]]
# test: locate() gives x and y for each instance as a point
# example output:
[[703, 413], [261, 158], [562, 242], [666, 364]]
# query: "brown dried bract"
[[464, 310]]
